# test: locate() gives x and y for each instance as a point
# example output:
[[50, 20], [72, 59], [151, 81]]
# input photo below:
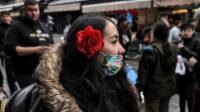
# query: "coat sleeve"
[[197, 66], [12, 37], [1, 79], [197, 51], [146, 65]]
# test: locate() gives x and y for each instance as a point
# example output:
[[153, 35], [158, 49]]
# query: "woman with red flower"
[[86, 73]]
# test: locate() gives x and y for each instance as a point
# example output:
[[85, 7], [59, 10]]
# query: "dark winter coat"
[[154, 79]]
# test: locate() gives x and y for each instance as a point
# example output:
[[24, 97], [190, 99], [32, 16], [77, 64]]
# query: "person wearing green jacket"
[[156, 77]]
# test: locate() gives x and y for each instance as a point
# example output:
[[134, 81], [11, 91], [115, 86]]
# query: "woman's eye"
[[114, 39], [113, 42]]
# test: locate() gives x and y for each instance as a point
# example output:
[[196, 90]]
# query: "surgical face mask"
[[112, 65]]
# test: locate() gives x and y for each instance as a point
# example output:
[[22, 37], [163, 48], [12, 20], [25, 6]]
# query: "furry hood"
[[53, 94]]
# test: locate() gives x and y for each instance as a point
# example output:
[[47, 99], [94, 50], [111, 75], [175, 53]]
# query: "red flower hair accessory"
[[89, 41]]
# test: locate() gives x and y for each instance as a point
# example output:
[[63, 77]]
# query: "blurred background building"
[[145, 12]]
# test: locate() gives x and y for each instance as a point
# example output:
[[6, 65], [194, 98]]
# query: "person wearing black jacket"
[[196, 101], [186, 81], [156, 76], [26, 40], [5, 23], [1, 81]]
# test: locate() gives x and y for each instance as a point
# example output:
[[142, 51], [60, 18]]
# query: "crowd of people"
[[170, 64], [87, 72]]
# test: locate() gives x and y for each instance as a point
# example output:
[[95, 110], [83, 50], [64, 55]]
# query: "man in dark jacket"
[[26, 41], [156, 76], [1, 81], [196, 102], [186, 80], [6, 21]]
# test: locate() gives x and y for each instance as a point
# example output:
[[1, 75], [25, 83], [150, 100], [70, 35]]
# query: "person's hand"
[[133, 37], [141, 97], [180, 45], [192, 61], [41, 49]]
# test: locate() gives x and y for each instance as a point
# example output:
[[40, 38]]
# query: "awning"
[[55, 6], [166, 3], [64, 5], [59, 2], [120, 5], [5, 9], [9, 7], [63, 8]]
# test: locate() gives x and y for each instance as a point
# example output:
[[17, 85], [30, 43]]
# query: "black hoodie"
[[27, 33]]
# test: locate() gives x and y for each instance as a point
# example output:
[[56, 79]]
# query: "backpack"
[[25, 100]]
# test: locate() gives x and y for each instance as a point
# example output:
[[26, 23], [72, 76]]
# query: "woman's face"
[[111, 40]]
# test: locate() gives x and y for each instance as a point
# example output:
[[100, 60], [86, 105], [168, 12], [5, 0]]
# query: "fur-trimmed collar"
[[53, 95]]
